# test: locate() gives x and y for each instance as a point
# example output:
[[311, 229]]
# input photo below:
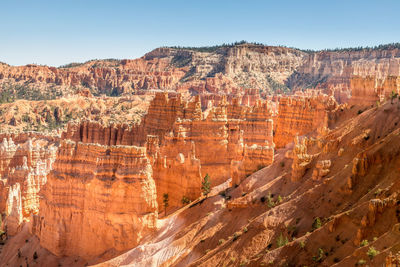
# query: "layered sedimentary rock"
[[369, 90], [107, 77], [14, 209], [321, 169], [24, 168], [335, 69], [227, 69], [117, 185], [301, 114], [227, 140], [96, 198], [301, 159]]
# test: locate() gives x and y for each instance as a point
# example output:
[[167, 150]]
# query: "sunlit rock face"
[[24, 169], [370, 89], [96, 198], [301, 114], [101, 180]]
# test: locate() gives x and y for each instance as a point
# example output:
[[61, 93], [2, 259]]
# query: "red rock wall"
[[300, 115], [96, 198], [368, 90]]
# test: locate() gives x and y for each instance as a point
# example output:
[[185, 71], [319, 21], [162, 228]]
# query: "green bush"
[[185, 200], [206, 185], [364, 243], [281, 241], [317, 223], [235, 236], [372, 252], [361, 262], [320, 255]]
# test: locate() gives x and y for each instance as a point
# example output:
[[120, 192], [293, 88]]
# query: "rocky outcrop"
[[369, 90], [14, 209], [223, 70], [301, 159], [300, 115], [335, 69], [321, 169], [103, 196], [227, 141], [24, 169], [184, 142]]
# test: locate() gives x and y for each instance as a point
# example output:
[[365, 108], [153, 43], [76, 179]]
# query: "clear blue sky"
[[61, 31]]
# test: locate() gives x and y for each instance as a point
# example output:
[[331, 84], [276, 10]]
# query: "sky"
[[56, 32]]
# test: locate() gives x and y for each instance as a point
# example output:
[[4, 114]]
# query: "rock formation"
[[24, 168], [96, 198], [118, 177], [295, 178], [370, 90], [300, 115]]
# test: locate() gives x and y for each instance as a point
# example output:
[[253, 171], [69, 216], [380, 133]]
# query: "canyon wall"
[[371, 89], [108, 182], [230, 70], [23, 171], [301, 114], [96, 198]]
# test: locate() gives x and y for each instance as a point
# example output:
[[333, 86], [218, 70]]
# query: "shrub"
[[165, 201], [205, 185], [281, 241], [185, 200], [221, 241], [372, 252], [361, 262], [364, 243], [245, 230], [235, 236], [270, 201], [302, 244], [320, 255], [317, 223]]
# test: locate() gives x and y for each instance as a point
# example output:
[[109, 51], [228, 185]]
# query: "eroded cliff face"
[[183, 141], [369, 90], [107, 184], [302, 114], [96, 198], [24, 168], [229, 70], [228, 141], [333, 201]]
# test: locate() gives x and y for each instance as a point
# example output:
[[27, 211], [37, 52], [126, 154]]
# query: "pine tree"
[[166, 204], [205, 185]]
